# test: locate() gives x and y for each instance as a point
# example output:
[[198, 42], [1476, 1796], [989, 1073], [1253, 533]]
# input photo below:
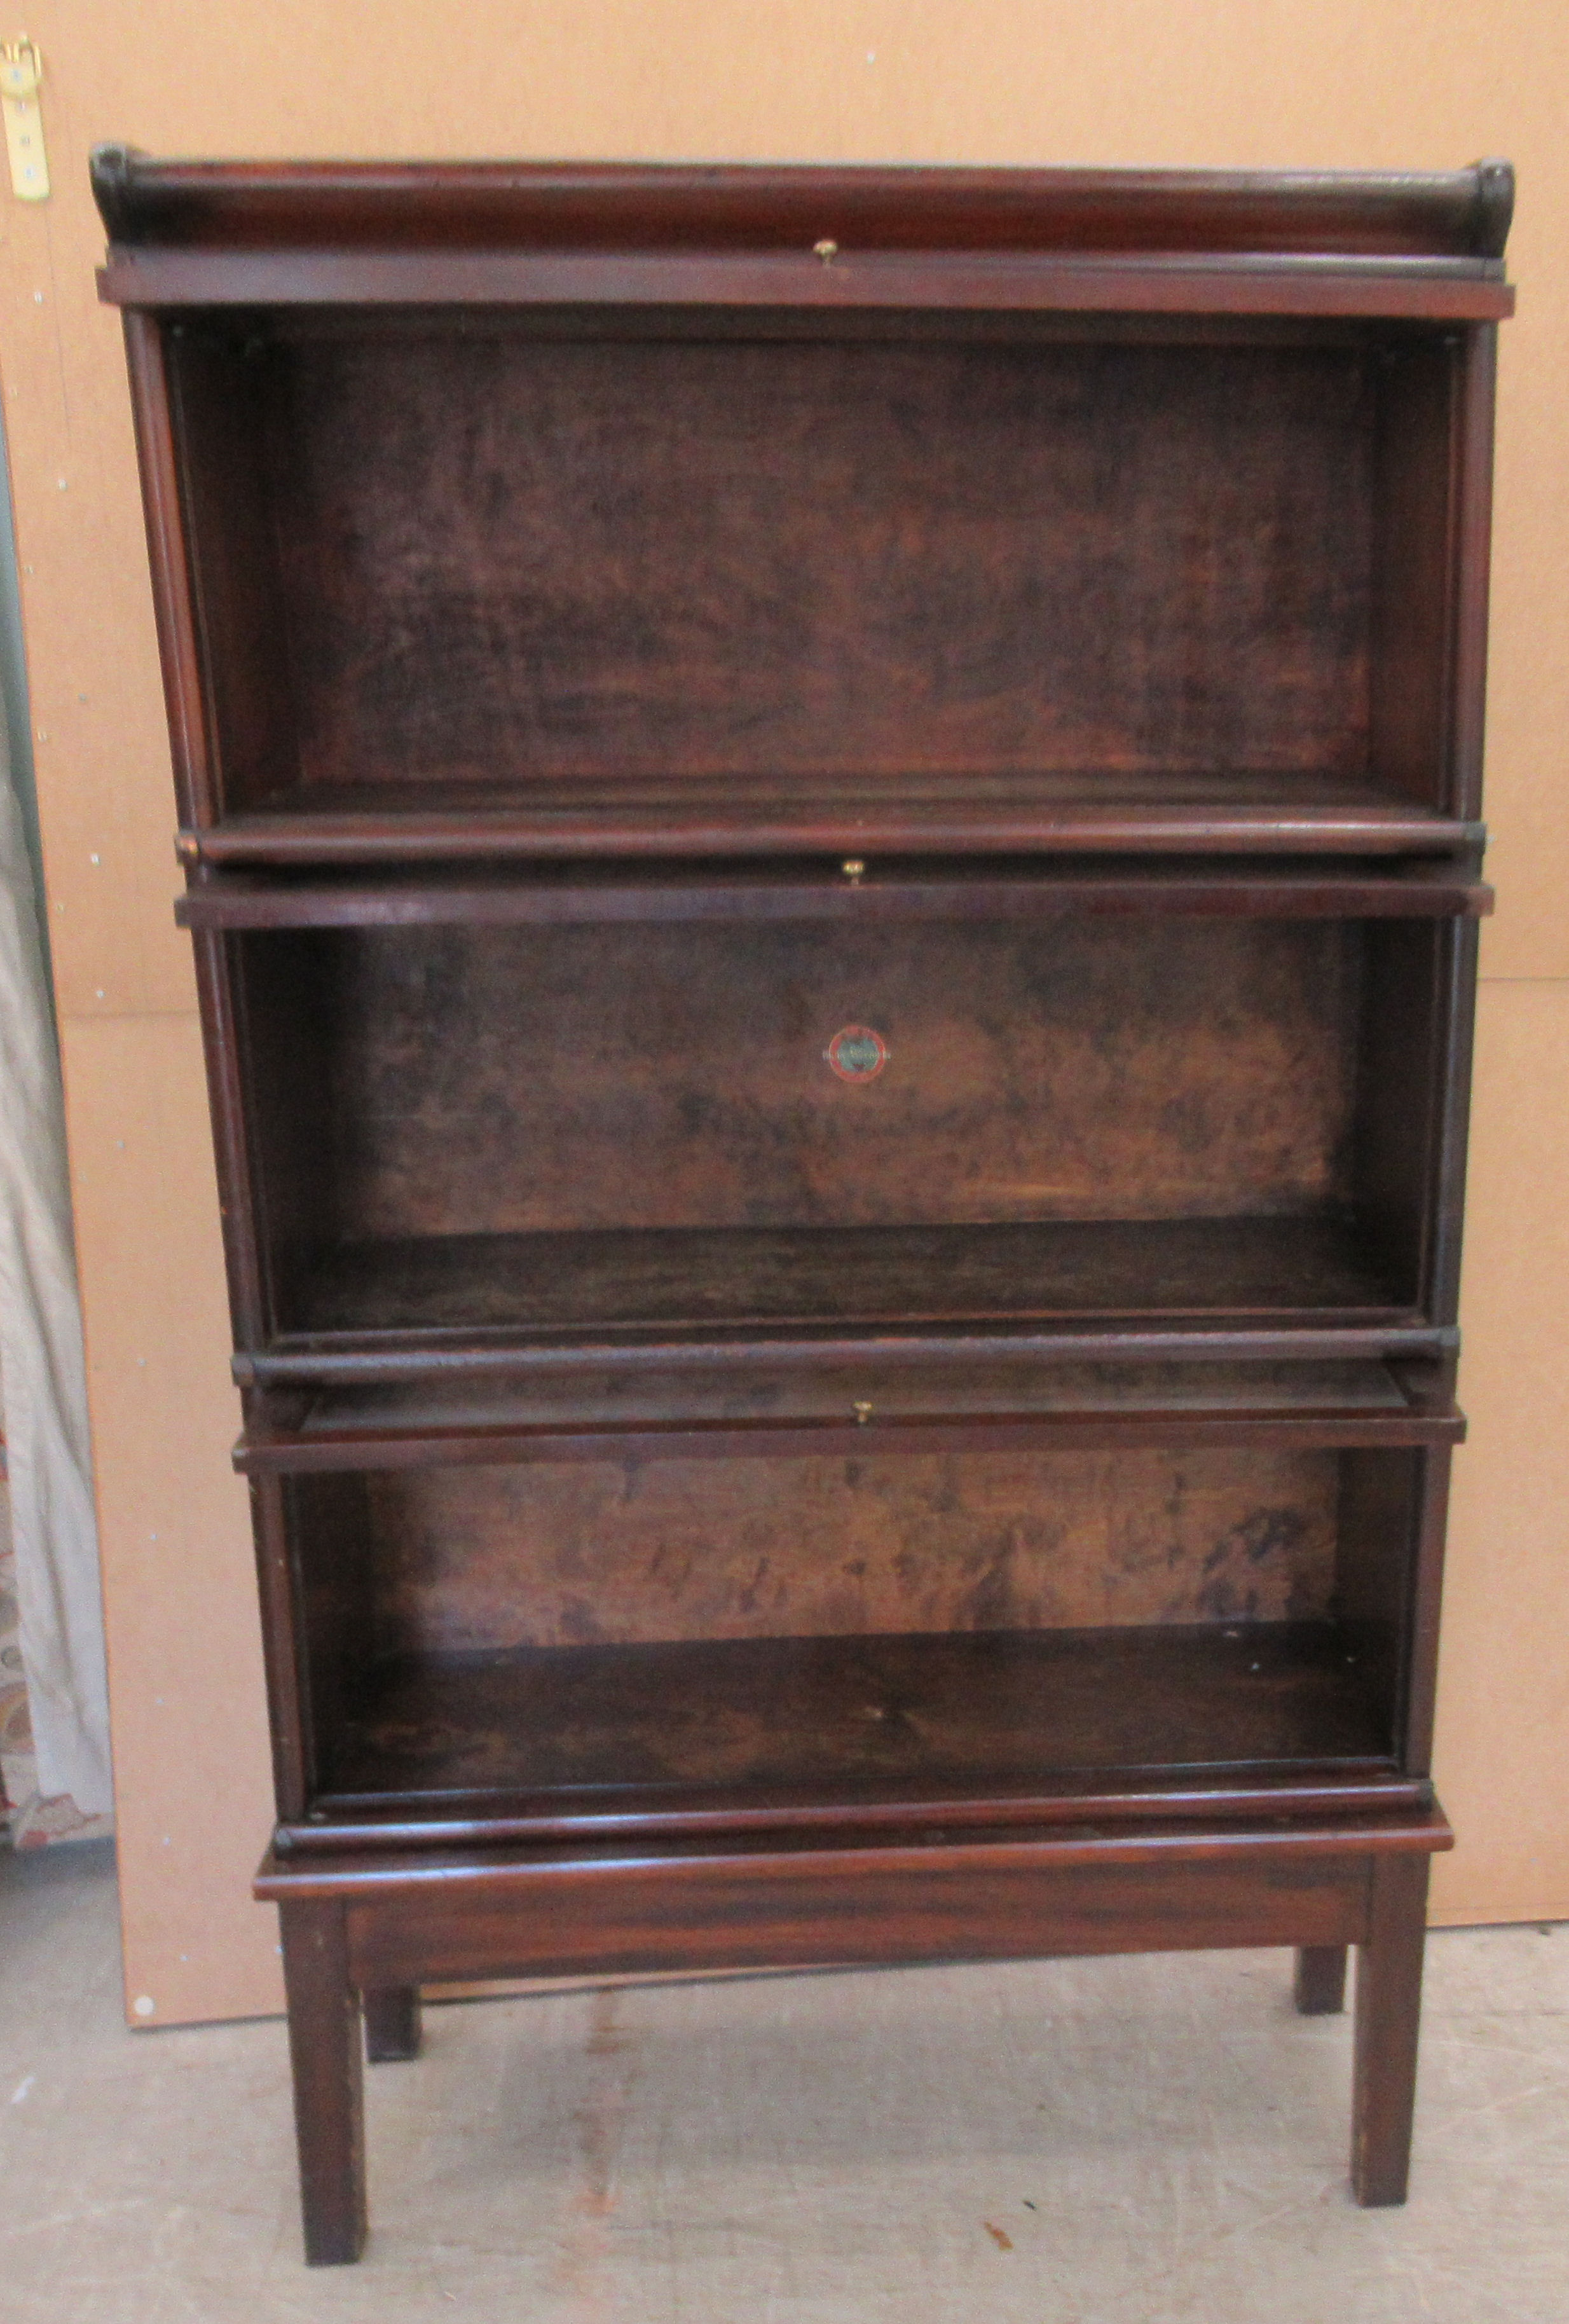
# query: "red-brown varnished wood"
[[1388, 2003], [592, 1296], [324, 2038], [294, 1777], [1320, 1988], [881, 893], [831, 826], [174, 608], [867, 1410], [885, 1806], [393, 2028], [960, 1711], [422, 823], [147, 202], [1425, 289], [679, 1905]]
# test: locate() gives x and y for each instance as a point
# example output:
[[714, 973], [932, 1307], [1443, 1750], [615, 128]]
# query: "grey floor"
[[1058, 2142]]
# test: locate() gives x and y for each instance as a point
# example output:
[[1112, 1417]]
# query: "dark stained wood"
[[1388, 2003], [1421, 289], [248, 1249], [711, 1511], [825, 559], [218, 424], [881, 893], [325, 1520], [944, 1905], [1250, 815], [957, 1709], [179, 654], [1455, 1013], [680, 1895], [324, 2041], [292, 1367], [871, 1538], [1400, 1111], [869, 1807], [1320, 1988], [674, 1284], [1471, 493], [623, 1078], [294, 1774], [1027, 1082], [148, 202], [689, 1860], [727, 1409], [1428, 1523], [1414, 570], [391, 2016]]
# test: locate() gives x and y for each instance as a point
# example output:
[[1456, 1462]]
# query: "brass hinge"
[[21, 70]]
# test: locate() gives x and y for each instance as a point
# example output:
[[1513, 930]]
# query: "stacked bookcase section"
[[831, 826]]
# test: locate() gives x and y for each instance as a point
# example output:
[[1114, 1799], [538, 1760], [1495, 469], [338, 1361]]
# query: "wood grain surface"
[[504, 1080], [943, 1708], [828, 558], [620, 1552]]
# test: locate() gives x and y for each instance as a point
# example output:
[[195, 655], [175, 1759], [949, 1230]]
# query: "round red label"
[[857, 1054]]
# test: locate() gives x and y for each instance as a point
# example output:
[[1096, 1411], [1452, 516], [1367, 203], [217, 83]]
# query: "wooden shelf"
[[946, 1711], [670, 1284]]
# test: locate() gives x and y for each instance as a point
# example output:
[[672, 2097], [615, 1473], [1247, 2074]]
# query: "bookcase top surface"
[[1139, 238], [147, 202]]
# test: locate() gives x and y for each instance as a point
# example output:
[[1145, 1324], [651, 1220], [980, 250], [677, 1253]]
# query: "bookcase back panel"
[[618, 1552], [502, 1080], [509, 560]]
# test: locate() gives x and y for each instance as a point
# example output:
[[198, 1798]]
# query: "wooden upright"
[[831, 820]]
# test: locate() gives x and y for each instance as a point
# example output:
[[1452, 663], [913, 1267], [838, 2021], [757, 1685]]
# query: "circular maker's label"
[[857, 1054]]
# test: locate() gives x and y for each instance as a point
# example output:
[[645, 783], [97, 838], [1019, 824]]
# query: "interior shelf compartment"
[[510, 1136], [865, 1620], [670, 583]]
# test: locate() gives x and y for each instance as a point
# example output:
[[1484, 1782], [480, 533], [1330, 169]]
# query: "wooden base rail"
[[360, 1938]]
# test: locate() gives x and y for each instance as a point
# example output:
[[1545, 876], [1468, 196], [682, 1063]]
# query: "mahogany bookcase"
[[831, 826]]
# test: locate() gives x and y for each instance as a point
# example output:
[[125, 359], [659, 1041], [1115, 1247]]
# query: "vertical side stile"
[[281, 1631], [1425, 1588], [221, 1027], [173, 601], [1453, 1031], [1470, 462]]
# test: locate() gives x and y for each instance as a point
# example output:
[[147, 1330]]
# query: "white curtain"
[[42, 1375]]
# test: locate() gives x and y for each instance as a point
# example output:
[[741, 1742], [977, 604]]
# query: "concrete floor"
[[1056, 2142]]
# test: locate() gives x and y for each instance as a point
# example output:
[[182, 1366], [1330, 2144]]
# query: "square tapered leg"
[[323, 2042], [392, 2016], [1389, 2004], [1320, 1989]]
